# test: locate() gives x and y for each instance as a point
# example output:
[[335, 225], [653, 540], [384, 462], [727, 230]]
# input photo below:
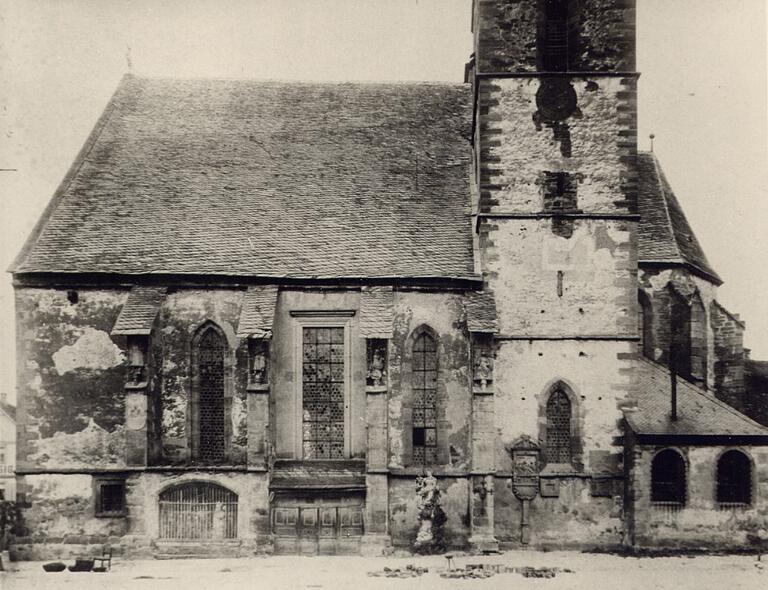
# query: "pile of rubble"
[[470, 573], [486, 570], [410, 571]]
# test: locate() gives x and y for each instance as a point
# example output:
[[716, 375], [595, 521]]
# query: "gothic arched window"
[[680, 329], [558, 441], [645, 324], [424, 399], [668, 478], [698, 340], [734, 478], [209, 395]]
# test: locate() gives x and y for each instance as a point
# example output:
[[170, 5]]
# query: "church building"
[[254, 313]]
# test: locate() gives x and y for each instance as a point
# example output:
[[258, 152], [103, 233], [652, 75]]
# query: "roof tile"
[[139, 311]]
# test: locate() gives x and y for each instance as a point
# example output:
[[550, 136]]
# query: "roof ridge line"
[[707, 395], [663, 193], [69, 176]]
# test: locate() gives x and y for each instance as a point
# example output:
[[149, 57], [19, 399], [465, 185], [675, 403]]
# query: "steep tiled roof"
[[139, 311], [699, 412], [257, 312], [268, 179], [481, 312], [664, 235], [377, 311], [318, 475]]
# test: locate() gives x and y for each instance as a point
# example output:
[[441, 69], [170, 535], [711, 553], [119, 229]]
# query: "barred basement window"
[[668, 478], [734, 480], [558, 443], [110, 497], [424, 400]]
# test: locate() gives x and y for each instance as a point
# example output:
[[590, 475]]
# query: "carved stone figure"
[[431, 535], [484, 370], [376, 371], [258, 367]]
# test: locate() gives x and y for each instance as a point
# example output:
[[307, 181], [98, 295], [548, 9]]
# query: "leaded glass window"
[[425, 400], [558, 447], [210, 366], [323, 393]]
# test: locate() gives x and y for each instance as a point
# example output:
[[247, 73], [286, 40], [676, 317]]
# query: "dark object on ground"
[[100, 569], [105, 560], [54, 566], [410, 571], [81, 565]]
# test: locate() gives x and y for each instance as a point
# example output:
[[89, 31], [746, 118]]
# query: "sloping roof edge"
[[669, 200], [682, 384], [61, 189]]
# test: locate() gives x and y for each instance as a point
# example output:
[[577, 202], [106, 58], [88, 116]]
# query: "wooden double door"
[[327, 526]]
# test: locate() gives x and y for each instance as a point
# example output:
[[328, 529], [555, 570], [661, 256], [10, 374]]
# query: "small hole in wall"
[[599, 398], [72, 296], [522, 399], [582, 353], [581, 310], [583, 398], [542, 311], [541, 354]]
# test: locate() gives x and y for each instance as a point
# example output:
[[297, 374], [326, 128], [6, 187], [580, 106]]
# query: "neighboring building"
[[255, 312], [7, 449]]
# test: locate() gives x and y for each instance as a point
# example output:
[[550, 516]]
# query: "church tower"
[[555, 146]]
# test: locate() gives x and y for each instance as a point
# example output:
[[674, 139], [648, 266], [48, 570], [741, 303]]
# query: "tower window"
[[424, 400], [558, 35], [558, 442]]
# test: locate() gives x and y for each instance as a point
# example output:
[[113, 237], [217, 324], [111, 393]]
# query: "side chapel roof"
[[700, 414]]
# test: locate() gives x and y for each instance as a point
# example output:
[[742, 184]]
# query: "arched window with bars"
[[668, 479], [734, 480], [424, 387], [557, 446]]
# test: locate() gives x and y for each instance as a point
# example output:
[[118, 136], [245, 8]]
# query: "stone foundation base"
[[483, 544], [375, 545]]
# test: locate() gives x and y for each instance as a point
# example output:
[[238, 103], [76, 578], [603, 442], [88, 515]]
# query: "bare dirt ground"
[[590, 572]]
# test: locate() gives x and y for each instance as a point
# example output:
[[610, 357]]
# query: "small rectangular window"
[[110, 497]]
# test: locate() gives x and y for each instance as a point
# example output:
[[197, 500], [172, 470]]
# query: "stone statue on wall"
[[377, 368], [483, 370], [431, 535], [258, 366]]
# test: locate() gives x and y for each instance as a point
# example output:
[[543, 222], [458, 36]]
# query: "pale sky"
[[702, 92]]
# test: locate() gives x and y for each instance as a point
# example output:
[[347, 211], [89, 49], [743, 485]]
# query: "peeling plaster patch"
[[660, 280], [94, 349], [60, 488], [91, 446]]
